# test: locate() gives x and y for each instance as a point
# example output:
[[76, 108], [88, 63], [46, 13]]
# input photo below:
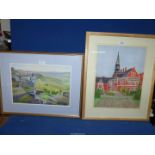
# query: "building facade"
[[122, 79]]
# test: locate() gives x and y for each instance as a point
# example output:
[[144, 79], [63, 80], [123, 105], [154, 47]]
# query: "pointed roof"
[[118, 60], [103, 79], [125, 73]]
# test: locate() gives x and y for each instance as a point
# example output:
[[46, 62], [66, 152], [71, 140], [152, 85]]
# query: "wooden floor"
[[3, 120]]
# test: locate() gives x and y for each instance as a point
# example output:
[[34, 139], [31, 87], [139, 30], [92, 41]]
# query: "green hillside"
[[51, 84]]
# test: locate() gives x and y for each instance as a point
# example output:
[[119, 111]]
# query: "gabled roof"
[[119, 75], [123, 74], [103, 79]]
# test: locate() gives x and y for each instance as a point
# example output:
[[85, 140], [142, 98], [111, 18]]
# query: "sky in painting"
[[41, 68], [129, 57]]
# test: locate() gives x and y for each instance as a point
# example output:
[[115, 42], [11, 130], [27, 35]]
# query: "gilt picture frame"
[[118, 73], [41, 83]]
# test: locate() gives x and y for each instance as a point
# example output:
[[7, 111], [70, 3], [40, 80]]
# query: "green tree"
[[137, 94], [98, 93]]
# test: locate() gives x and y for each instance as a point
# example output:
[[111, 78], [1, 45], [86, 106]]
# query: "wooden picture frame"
[[118, 73], [40, 83], [3, 118], [152, 97]]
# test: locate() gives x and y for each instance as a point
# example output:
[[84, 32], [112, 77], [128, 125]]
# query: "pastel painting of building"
[[121, 85]]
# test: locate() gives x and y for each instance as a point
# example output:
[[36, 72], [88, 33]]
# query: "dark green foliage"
[[25, 99], [137, 94], [126, 92], [98, 93], [27, 88], [15, 84], [132, 93]]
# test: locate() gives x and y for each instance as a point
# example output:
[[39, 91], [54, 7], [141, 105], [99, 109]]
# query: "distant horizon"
[[42, 67], [49, 74], [46, 72]]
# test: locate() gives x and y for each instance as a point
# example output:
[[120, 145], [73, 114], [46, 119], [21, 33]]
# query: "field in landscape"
[[51, 88]]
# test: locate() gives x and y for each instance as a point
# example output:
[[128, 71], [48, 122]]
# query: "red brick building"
[[128, 79]]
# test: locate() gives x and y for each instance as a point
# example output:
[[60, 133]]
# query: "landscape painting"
[[119, 76], [41, 84]]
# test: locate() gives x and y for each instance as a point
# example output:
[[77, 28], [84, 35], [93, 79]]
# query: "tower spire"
[[117, 65], [118, 60]]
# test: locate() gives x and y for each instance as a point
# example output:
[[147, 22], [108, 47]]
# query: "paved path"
[[117, 101]]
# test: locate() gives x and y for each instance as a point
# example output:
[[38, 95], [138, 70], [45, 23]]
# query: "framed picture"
[[41, 83], [117, 76]]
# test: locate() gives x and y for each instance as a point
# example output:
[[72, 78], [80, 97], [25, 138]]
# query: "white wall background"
[[5, 24]]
